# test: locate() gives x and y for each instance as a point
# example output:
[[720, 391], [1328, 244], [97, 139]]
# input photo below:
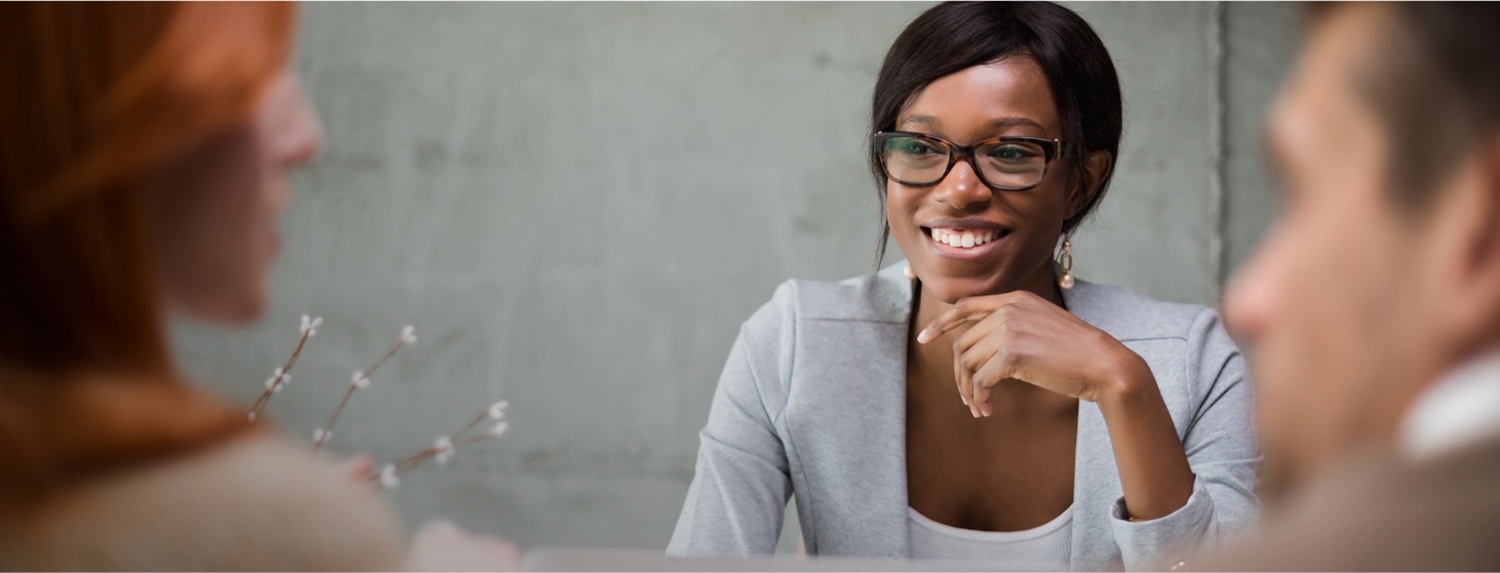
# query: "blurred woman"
[[143, 167], [978, 402]]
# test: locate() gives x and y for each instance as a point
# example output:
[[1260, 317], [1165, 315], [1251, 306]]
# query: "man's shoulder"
[[1380, 513]]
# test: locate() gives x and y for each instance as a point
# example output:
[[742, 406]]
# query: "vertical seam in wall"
[[1218, 250]]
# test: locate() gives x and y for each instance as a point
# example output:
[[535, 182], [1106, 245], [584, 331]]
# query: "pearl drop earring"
[[910, 274], [1065, 261]]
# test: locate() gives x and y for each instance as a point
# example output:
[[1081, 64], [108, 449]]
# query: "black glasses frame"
[[1051, 149]]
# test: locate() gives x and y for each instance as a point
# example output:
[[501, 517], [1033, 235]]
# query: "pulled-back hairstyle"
[[954, 36], [95, 98]]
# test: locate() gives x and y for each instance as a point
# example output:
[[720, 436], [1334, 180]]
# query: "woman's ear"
[[1096, 166]]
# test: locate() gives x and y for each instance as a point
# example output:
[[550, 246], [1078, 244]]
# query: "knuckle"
[[982, 381], [1008, 361], [970, 362]]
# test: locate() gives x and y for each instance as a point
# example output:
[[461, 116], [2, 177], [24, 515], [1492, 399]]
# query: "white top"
[[1047, 547], [1458, 410]]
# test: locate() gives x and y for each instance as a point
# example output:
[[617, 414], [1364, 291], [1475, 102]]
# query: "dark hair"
[[954, 36], [1434, 80]]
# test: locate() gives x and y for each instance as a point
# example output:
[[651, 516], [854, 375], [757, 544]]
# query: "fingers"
[[997, 368], [961, 376], [973, 390], [964, 311], [359, 466], [971, 351], [975, 309]]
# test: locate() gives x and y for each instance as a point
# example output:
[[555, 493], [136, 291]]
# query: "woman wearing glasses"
[[977, 402]]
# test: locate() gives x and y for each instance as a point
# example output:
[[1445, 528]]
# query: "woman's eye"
[[916, 147], [1011, 153]]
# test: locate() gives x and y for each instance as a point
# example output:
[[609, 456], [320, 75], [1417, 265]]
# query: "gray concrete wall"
[[577, 204]]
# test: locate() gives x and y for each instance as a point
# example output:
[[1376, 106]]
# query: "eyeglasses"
[[1003, 163]]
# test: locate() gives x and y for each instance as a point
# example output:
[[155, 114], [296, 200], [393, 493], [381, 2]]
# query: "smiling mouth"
[[963, 238]]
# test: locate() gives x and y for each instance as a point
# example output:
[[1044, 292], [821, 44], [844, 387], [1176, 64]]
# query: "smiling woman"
[[979, 404]]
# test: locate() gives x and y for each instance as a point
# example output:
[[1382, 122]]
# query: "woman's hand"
[[359, 467], [1023, 336], [442, 546]]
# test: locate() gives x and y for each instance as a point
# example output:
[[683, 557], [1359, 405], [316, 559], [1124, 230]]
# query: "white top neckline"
[[1048, 547], [1057, 523]]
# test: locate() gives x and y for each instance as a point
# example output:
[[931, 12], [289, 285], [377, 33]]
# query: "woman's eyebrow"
[[995, 124], [1009, 122], [923, 119]]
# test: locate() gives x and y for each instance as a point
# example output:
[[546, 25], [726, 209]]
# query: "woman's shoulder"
[[1130, 315], [877, 296], [255, 503]]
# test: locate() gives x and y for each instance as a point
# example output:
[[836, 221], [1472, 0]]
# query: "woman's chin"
[[950, 290], [229, 310]]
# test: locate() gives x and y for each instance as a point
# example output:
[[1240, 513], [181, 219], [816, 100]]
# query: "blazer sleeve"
[[1221, 449], [741, 483]]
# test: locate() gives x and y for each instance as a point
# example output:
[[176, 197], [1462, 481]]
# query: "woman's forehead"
[[1010, 95]]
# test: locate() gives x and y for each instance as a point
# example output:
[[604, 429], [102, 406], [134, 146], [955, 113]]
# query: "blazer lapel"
[[846, 420]]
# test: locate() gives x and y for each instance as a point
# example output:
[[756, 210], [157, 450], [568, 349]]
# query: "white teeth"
[[962, 239]]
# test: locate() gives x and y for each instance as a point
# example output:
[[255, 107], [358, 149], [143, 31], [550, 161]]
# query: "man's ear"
[[1096, 167], [1471, 215]]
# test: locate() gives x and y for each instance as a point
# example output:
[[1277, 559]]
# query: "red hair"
[[96, 98]]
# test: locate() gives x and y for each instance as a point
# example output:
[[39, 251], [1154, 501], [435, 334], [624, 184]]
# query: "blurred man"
[[1372, 310]]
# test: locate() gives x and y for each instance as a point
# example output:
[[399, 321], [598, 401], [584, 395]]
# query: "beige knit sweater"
[[259, 503]]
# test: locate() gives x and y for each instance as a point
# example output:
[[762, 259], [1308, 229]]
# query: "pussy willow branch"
[[286, 371], [430, 452], [485, 415], [494, 412], [327, 429]]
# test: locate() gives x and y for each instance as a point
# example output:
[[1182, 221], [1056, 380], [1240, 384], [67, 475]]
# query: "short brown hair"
[[1434, 79]]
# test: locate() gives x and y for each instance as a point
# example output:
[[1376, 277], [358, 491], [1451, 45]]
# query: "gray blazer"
[[812, 403]]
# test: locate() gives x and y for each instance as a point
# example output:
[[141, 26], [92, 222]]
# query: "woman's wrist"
[[1154, 471], [1125, 381]]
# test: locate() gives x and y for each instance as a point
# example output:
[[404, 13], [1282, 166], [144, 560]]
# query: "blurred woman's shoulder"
[[256, 503]]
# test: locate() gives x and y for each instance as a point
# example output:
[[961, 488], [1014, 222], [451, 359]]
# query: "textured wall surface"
[[577, 204]]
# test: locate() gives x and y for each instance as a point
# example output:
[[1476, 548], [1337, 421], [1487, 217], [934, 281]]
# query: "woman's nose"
[[961, 189], [296, 135], [306, 134]]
